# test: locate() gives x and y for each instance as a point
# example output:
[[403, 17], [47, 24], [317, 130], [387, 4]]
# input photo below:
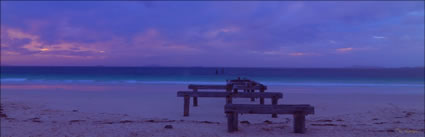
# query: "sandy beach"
[[145, 109]]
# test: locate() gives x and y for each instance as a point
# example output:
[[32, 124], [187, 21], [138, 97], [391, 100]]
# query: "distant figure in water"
[[216, 71]]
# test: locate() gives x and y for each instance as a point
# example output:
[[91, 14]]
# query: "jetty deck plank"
[[269, 109], [193, 86], [234, 95]]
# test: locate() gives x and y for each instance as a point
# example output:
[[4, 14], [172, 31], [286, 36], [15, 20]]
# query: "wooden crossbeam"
[[269, 109], [193, 86], [244, 87], [233, 95], [241, 87]]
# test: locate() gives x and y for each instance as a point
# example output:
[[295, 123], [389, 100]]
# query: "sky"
[[213, 33]]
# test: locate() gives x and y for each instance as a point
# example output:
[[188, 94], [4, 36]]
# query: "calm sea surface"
[[209, 75]]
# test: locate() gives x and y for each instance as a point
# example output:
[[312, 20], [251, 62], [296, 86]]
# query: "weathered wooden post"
[[229, 90], [232, 121], [299, 122], [274, 102], [252, 91], [245, 89], [235, 121], [229, 99], [186, 105], [195, 99], [229, 121], [262, 91], [229, 87]]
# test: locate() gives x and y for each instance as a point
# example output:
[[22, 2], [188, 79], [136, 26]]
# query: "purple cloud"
[[279, 34]]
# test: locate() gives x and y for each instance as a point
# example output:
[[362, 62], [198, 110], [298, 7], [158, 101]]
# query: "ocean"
[[213, 75]]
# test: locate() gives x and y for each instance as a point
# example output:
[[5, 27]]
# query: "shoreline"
[[273, 84]]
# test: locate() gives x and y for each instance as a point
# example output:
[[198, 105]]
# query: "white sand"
[[144, 110]]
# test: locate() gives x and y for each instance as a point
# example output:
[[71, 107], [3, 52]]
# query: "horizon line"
[[354, 66]]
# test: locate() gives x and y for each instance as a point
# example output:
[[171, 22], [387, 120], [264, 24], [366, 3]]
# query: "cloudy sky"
[[232, 34]]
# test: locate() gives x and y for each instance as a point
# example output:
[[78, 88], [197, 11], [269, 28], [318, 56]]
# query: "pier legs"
[[274, 102], [299, 122], [262, 99], [229, 100], [186, 106], [252, 91], [232, 121], [195, 99]]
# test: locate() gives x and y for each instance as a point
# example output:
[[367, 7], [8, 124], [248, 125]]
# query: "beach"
[[96, 109]]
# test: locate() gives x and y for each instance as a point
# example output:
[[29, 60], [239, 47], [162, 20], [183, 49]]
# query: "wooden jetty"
[[230, 90]]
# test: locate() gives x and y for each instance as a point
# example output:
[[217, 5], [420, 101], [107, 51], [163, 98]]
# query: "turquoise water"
[[204, 75]]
